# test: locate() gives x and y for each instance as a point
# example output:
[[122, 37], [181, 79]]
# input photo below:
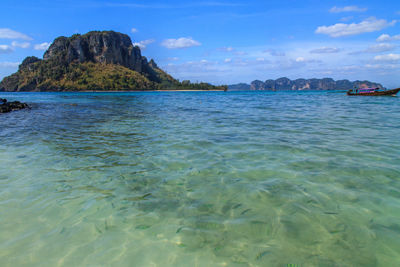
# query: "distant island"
[[285, 84], [95, 61]]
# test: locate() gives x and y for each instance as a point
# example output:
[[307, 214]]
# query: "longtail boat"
[[373, 92]]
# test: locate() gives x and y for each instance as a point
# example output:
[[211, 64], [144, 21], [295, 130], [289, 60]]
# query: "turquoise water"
[[200, 179]]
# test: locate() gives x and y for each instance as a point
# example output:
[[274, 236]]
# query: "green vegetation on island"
[[96, 61]]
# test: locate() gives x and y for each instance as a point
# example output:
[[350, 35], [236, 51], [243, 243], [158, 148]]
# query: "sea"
[[200, 179]]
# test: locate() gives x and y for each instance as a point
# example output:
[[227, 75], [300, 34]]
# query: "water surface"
[[200, 179]]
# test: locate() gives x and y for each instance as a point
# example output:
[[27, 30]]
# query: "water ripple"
[[202, 179]]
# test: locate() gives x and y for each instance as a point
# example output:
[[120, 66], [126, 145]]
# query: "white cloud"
[[6, 33], [384, 66], [346, 18], [42, 46], [388, 57], [5, 49], [275, 53], [226, 49], [347, 9], [173, 58], [341, 29], [325, 50], [21, 45], [388, 38], [240, 53], [9, 64], [349, 67], [182, 42], [134, 30], [144, 44], [304, 60], [227, 60], [383, 47], [378, 48]]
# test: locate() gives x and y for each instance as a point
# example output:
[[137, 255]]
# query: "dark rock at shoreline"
[[11, 106]]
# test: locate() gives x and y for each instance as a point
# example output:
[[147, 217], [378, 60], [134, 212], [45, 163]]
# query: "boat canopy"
[[367, 89]]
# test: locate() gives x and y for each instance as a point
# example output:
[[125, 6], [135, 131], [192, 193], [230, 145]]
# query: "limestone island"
[[285, 84], [95, 61]]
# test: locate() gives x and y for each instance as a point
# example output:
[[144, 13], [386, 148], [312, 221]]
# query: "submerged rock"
[[11, 106]]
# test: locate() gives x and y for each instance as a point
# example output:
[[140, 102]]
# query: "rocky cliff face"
[[98, 47], [310, 84]]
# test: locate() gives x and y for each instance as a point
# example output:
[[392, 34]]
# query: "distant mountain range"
[[285, 84]]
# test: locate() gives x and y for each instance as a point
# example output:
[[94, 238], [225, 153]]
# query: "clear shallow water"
[[200, 179]]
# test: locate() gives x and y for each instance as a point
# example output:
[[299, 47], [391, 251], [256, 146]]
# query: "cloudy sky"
[[223, 42]]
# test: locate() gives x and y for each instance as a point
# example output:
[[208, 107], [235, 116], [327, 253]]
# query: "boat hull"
[[392, 92]]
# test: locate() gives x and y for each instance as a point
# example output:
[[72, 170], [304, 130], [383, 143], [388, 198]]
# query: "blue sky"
[[223, 42]]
